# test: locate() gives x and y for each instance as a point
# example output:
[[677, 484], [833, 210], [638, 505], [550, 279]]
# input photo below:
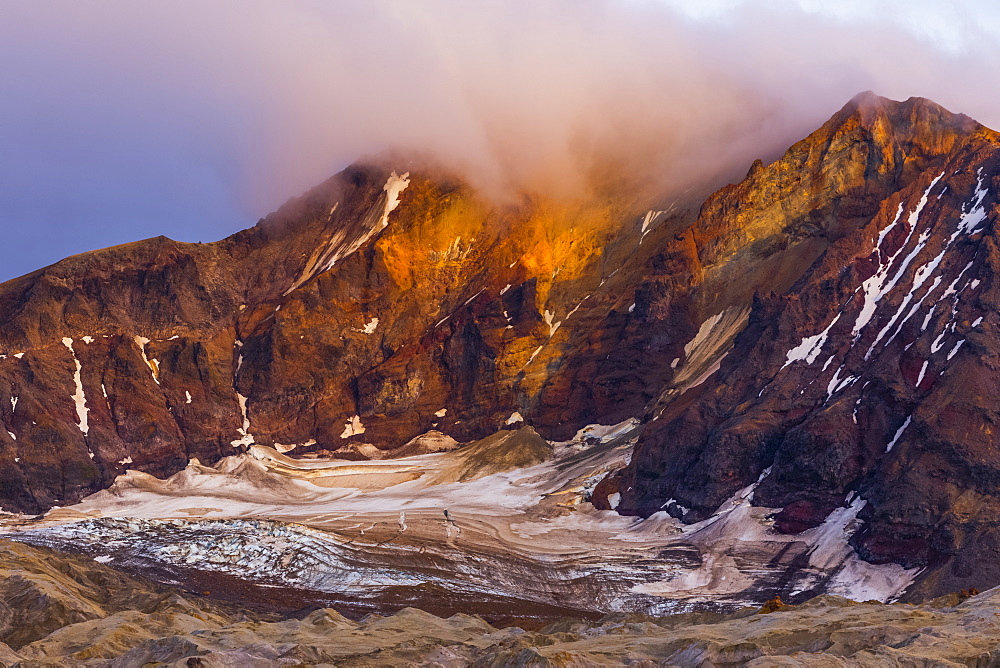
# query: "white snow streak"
[[514, 418], [338, 246], [79, 397], [353, 427], [154, 366], [899, 432], [810, 347], [246, 438]]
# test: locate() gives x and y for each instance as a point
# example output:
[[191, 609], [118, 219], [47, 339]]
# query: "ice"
[[923, 370], [78, 396], [514, 418], [704, 353], [154, 367], [187, 397], [888, 228], [576, 308], [862, 581], [246, 438], [339, 246], [976, 213], [441, 413], [614, 500], [469, 300], [829, 540], [883, 281], [11, 434], [837, 383], [927, 318], [647, 223], [393, 188], [604, 433], [370, 327], [809, 349], [549, 317], [347, 526], [353, 427], [283, 448], [899, 432]]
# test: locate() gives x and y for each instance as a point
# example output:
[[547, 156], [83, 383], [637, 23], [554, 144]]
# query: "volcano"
[[398, 391]]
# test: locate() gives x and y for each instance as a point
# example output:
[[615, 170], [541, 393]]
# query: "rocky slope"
[[822, 327], [871, 377], [87, 614]]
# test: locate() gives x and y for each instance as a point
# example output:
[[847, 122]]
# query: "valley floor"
[[59, 609], [504, 521], [246, 562]]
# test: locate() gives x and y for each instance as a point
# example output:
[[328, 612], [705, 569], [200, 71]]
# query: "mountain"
[[819, 332], [872, 377]]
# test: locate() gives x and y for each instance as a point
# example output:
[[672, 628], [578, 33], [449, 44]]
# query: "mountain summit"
[[819, 332]]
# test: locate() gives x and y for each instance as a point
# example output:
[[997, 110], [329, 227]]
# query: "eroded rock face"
[[873, 375], [831, 303]]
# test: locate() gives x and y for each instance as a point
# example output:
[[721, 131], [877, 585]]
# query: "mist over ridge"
[[126, 120]]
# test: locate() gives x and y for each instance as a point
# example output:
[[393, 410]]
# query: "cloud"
[[214, 112]]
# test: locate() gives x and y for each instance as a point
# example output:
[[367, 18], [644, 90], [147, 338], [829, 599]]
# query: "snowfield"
[[464, 523]]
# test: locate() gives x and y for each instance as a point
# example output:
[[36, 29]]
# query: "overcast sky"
[[121, 120]]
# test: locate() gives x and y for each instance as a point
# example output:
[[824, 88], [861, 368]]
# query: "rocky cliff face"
[[832, 304], [871, 376]]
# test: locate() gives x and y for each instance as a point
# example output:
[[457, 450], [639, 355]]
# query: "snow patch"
[[340, 246], [353, 427], [899, 432], [154, 366], [549, 317], [282, 448], [246, 439], [514, 418], [603, 433], [78, 396]]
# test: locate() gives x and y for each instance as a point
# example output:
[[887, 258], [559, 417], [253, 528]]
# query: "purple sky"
[[122, 120]]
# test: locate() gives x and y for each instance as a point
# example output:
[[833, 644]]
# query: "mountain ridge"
[[393, 300]]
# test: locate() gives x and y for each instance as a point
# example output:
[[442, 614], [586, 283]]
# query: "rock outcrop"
[[822, 327], [872, 375]]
